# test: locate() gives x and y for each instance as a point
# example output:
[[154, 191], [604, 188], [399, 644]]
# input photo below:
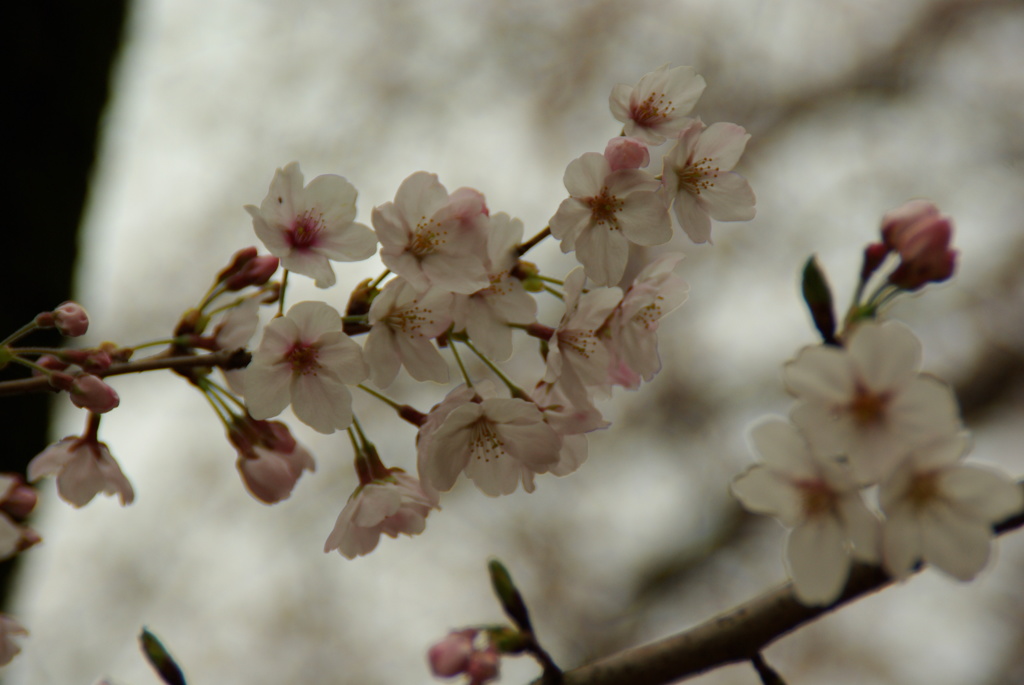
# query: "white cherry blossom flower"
[[486, 314], [305, 360], [940, 510], [867, 400], [699, 179], [631, 332], [819, 499], [432, 239], [607, 211], [571, 421], [403, 325], [397, 504], [656, 107], [498, 442], [308, 226], [84, 469], [577, 359]]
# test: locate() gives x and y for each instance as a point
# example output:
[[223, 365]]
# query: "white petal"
[[818, 560]]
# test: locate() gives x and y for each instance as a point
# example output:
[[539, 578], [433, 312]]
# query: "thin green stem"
[[377, 281], [462, 367], [383, 398], [512, 387], [554, 292]]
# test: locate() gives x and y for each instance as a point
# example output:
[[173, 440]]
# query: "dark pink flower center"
[[305, 230], [303, 358], [867, 407]]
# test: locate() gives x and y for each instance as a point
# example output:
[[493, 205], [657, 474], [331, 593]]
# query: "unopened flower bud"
[[450, 656], [89, 392], [19, 500], [874, 255], [921, 236], [48, 361], [483, 666], [238, 261], [624, 152], [256, 271], [70, 319]]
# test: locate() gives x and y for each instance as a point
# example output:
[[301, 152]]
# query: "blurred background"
[[854, 107]]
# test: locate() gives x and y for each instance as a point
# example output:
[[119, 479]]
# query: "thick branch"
[[735, 636], [227, 359]]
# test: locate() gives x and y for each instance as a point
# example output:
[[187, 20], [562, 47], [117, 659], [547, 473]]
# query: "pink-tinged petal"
[[818, 560], [271, 236], [572, 455], [603, 253], [784, 449], [536, 446], [449, 447], [887, 355], [901, 542], [278, 337], [820, 374], [333, 198], [463, 274], [280, 203], [422, 359], [376, 503], [958, 546], [571, 219], [355, 243], [862, 528], [827, 435], [764, 491], [692, 218], [585, 175], [381, 354], [266, 390], [320, 402], [342, 357], [312, 264], [946, 450], [419, 197], [925, 410], [618, 101], [644, 219], [390, 226], [312, 319], [729, 198], [982, 493], [724, 143], [51, 460]]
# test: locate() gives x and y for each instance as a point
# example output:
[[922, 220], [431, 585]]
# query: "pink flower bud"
[[270, 461], [256, 271], [483, 666], [239, 260], [450, 656], [48, 361], [89, 392], [71, 319], [921, 236], [874, 255], [20, 499], [623, 152]]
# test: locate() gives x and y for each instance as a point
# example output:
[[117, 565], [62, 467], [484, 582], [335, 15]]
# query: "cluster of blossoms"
[[455, 279], [866, 419]]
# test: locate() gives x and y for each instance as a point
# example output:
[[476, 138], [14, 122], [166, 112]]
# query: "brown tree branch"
[[226, 359], [734, 636]]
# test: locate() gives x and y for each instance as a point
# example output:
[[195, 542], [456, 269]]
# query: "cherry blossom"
[[606, 212], [867, 400], [577, 359], [940, 510], [397, 504], [305, 360], [631, 332], [432, 239], [819, 499], [307, 227], [486, 314], [270, 461], [9, 628], [655, 109], [90, 392], [699, 179], [84, 468], [403, 324], [498, 442], [623, 152], [570, 420]]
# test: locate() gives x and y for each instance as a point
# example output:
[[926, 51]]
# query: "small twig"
[[226, 359]]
